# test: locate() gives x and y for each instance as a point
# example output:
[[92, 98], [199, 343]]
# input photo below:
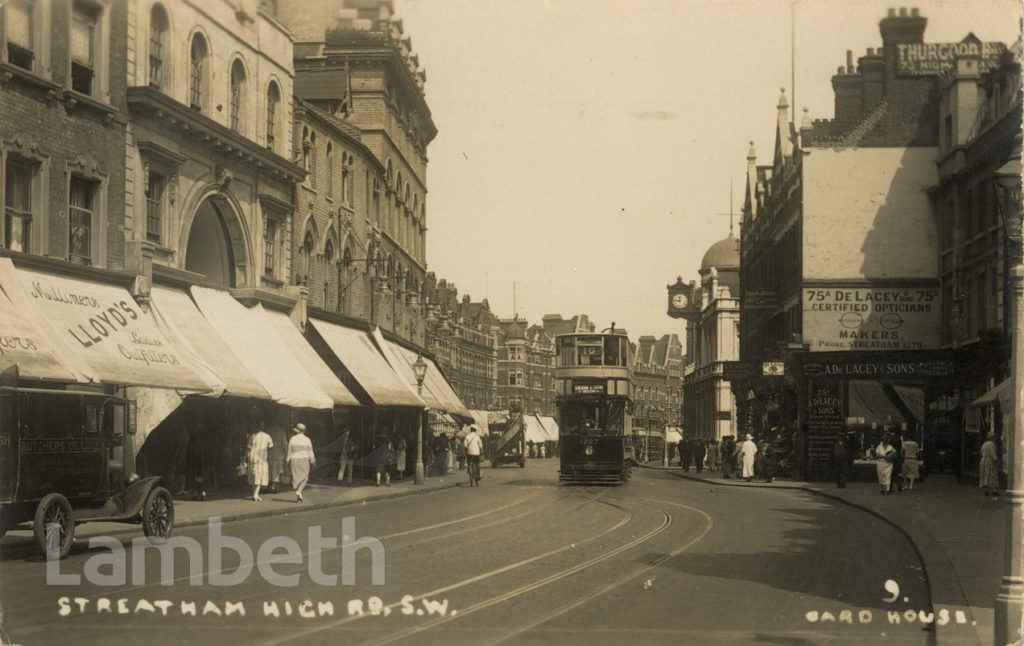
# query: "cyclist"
[[474, 447]]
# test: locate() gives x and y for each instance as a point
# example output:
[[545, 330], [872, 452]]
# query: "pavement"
[[957, 531]]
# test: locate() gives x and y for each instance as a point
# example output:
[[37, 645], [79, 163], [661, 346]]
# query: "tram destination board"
[[593, 388]]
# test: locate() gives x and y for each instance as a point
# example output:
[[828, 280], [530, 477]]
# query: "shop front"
[[861, 396]]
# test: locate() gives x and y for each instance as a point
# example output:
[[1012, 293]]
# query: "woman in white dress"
[[259, 469], [300, 458], [911, 464], [748, 450], [885, 455]]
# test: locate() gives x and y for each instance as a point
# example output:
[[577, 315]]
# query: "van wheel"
[[158, 514], [53, 526]]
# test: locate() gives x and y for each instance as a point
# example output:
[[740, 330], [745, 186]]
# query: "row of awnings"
[[199, 340]]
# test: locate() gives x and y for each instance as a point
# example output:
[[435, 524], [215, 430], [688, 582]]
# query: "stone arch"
[[215, 240]]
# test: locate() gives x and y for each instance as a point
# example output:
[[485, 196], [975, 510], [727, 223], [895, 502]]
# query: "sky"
[[586, 148]]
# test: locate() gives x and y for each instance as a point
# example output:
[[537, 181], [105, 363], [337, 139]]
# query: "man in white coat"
[[748, 450]]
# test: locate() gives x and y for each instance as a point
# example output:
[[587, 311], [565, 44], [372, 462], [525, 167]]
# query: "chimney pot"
[[840, 70], [892, 12], [914, 12], [903, 12], [849, 59], [871, 51]]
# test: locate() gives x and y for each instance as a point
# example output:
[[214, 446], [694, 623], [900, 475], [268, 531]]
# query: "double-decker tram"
[[593, 395]]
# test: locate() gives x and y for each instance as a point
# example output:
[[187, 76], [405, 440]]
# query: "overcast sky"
[[586, 147]]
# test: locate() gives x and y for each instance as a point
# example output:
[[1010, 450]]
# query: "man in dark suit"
[[684, 454], [699, 453]]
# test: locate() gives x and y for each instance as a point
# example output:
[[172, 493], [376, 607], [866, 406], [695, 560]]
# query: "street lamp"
[[419, 368], [1010, 599]]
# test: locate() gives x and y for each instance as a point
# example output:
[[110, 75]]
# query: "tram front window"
[[597, 418]]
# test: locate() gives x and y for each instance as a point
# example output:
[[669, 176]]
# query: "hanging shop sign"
[[871, 318]]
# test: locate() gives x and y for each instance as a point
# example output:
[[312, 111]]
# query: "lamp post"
[[1010, 598], [419, 368]]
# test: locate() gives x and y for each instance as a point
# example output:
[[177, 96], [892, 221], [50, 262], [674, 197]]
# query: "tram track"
[[710, 523]]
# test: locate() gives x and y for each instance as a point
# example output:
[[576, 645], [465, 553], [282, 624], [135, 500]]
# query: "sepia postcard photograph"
[[540, 322]]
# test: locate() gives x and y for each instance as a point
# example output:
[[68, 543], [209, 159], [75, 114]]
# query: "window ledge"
[[270, 281], [9, 72], [73, 98]]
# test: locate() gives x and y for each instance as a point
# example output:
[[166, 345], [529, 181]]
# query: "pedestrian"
[[684, 454], [542, 450], [769, 461], [747, 452], [699, 453], [839, 462], [347, 457], [474, 448], [727, 456], [460, 453], [885, 455], [276, 454], [897, 463], [384, 458], [257, 466], [988, 466], [911, 469], [400, 458], [713, 455], [300, 458]]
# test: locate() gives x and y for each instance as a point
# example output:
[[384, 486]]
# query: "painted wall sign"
[[824, 419], [934, 58], [871, 318]]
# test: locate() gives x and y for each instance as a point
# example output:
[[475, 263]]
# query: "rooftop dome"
[[722, 254]]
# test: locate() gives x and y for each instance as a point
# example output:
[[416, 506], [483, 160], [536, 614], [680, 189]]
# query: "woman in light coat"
[[988, 467], [300, 458], [885, 455]]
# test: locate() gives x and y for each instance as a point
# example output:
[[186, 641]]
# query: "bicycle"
[[473, 467]]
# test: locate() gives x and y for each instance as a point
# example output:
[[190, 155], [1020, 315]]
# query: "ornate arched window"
[[158, 26], [305, 267], [273, 108], [236, 112], [198, 68], [330, 277]]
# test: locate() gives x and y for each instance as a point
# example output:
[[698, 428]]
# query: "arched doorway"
[[208, 251]]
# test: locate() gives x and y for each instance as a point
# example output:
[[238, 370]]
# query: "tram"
[[593, 395]]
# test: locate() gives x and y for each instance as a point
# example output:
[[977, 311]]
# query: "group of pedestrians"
[[698, 453], [298, 457]]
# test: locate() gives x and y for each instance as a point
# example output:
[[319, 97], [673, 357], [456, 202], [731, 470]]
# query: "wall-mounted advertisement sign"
[[913, 59], [871, 318]]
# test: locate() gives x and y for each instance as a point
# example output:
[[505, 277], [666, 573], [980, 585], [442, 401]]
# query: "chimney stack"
[[848, 86]]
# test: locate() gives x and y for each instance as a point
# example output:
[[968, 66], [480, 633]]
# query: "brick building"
[[62, 132], [657, 392], [526, 367], [839, 270]]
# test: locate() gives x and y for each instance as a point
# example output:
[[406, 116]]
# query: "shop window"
[[19, 25], [83, 216], [158, 25]]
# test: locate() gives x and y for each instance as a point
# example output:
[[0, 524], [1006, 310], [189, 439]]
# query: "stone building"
[[712, 313]]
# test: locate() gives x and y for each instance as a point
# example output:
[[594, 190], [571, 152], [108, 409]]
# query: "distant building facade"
[[657, 392]]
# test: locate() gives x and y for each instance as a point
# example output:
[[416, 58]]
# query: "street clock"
[[681, 300]]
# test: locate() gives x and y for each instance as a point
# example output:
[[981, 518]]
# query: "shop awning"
[[356, 351], [999, 392], [99, 330], [437, 392], [869, 401], [310, 360], [672, 435], [550, 426], [481, 421], [534, 429], [252, 338], [182, 322], [26, 343]]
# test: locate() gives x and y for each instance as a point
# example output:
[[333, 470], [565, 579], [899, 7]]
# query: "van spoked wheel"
[[158, 515], [53, 526]]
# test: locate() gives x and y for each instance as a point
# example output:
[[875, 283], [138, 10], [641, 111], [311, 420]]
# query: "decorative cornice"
[[69, 269], [251, 295], [161, 154], [221, 139]]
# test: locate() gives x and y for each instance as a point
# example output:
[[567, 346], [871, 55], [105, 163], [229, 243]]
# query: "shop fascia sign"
[[921, 59]]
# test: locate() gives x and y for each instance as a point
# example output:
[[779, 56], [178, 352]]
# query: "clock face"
[[679, 301]]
